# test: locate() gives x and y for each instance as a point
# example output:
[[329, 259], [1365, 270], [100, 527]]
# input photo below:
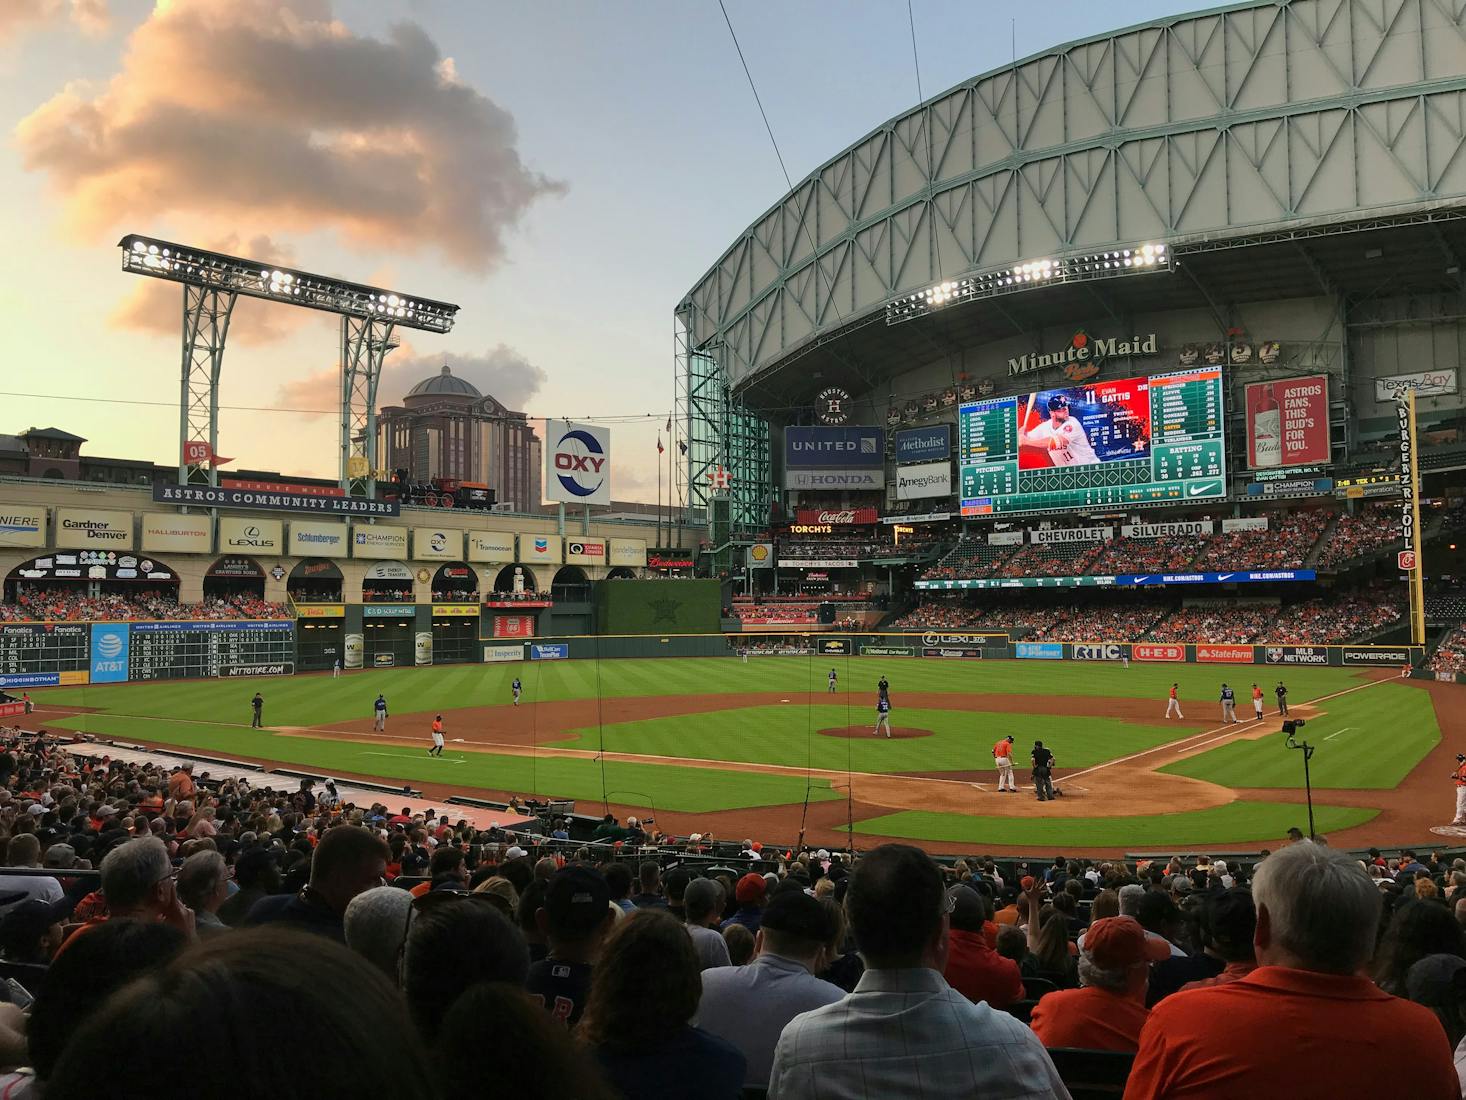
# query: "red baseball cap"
[[750, 889], [1114, 943]]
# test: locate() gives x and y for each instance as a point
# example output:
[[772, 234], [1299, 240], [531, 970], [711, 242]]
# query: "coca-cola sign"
[[846, 517]]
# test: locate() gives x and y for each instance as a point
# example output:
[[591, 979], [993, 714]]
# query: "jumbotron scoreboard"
[[49, 654], [1124, 442]]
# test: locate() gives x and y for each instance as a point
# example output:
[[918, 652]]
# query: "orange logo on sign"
[[1406, 560]]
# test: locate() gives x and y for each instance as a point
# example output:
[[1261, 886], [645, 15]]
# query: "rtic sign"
[[1224, 654], [1099, 651], [578, 463], [1297, 655], [1149, 652], [844, 517]]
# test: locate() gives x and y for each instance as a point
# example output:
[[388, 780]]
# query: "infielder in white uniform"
[[1062, 436]]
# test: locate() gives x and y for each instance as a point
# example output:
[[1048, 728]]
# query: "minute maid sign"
[[1084, 348]]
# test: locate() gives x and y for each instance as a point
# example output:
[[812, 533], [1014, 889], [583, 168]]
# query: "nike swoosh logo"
[[1223, 576], [1197, 490]]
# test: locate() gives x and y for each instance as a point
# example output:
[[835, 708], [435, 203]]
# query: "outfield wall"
[[649, 606]]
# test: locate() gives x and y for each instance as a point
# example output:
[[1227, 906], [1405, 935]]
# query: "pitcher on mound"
[[883, 716]]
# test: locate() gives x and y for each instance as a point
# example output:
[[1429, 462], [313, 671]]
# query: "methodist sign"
[[577, 463]]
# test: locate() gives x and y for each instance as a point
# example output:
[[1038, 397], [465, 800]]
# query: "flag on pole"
[[669, 424], [660, 448], [681, 446]]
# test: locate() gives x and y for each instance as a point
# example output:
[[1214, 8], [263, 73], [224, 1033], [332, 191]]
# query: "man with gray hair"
[[203, 886], [139, 883], [703, 903], [1305, 1022], [1109, 1011]]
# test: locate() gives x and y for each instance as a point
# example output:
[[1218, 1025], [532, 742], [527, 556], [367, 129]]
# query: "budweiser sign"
[[847, 517]]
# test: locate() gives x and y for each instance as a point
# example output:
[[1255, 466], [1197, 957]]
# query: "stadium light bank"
[[1141, 259], [198, 267]]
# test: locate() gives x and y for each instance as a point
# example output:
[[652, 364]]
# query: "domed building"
[[446, 428]]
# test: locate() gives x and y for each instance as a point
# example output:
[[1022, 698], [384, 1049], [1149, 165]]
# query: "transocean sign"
[[1084, 348]]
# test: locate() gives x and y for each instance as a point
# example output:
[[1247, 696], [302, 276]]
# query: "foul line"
[[405, 756], [1223, 737], [1203, 733], [1346, 729]]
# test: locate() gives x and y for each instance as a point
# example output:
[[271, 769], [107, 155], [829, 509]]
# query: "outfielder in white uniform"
[[1004, 761]]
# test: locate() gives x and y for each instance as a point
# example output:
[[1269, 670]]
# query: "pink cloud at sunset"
[[19, 16]]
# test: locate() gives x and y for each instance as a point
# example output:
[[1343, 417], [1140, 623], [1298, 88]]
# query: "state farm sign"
[[1148, 652], [846, 517], [1224, 654]]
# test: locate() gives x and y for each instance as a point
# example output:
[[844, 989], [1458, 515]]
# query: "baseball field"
[[762, 748]]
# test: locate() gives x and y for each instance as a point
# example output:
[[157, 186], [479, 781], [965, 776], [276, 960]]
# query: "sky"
[[563, 171]]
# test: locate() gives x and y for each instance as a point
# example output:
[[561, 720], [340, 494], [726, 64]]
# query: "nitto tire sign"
[[258, 670], [1086, 651], [1376, 656], [1297, 655], [1150, 652], [969, 653]]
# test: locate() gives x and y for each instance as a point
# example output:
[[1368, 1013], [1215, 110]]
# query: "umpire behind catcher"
[[1043, 771]]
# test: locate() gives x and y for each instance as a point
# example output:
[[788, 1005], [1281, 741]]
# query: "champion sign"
[[577, 463]]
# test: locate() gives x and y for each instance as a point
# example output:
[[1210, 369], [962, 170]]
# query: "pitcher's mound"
[[898, 733]]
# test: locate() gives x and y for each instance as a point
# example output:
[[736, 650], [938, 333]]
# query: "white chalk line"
[[1336, 733], [1204, 733], [408, 756]]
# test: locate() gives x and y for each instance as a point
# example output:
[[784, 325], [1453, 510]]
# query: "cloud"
[[274, 116], [501, 372], [19, 16], [153, 305]]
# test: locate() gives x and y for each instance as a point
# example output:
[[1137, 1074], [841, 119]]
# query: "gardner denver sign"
[[1084, 348]]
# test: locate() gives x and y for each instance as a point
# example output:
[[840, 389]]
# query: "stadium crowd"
[[1371, 530], [73, 604], [1345, 617], [407, 945], [1450, 654]]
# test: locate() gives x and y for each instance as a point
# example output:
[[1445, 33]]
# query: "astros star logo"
[[664, 610]]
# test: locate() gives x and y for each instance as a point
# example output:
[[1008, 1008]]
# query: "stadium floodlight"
[[236, 275], [1135, 259]]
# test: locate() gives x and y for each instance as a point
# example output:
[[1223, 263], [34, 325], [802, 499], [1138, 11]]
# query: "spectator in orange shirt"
[[973, 968], [180, 783], [447, 871], [1304, 1023], [1109, 1010]]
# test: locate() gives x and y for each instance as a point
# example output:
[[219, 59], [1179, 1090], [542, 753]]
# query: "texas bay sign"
[[1084, 354]]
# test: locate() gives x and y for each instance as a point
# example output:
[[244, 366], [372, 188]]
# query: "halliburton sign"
[[843, 517]]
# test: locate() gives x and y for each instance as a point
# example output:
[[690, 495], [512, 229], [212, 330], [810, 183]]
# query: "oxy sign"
[[577, 463]]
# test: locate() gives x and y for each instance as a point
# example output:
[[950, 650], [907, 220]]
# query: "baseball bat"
[[1023, 424]]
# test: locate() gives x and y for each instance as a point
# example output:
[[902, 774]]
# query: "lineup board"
[[37, 654], [1119, 442]]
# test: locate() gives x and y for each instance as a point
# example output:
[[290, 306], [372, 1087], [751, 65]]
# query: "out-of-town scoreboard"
[[51, 654]]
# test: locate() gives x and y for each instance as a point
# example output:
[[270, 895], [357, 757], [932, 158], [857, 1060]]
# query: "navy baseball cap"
[[577, 900], [1058, 401]]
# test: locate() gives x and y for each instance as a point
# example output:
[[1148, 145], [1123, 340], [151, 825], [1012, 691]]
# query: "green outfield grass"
[[318, 699], [1366, 739], [960, 741], [686, 790], [212, 716], [1235, 822]]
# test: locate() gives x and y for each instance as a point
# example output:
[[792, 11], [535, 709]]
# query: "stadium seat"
[[1021, 1010], [1034, 988], [1092, 1074]]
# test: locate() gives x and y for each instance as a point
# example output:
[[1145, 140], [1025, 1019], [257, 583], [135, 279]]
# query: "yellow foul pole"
[[1412, 557]]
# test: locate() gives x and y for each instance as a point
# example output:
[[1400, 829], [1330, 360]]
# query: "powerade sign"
[[1383, 656], [924, 444], [549, 652], [111, 648], [1039, 651], [823, 447]]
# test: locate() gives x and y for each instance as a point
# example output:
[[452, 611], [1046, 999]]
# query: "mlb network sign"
[[577, 463]]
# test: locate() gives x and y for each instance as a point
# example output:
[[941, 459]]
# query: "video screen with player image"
[[1083, 425]]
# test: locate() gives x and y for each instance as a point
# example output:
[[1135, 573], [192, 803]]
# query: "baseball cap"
[[1058, 401], [1114, 943], [35, 809], [576, 900], [798, 914], [967, 909], [515, 852], [60, 855], [106, 811], [23, 924], [750, 889], [1436, 980]]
